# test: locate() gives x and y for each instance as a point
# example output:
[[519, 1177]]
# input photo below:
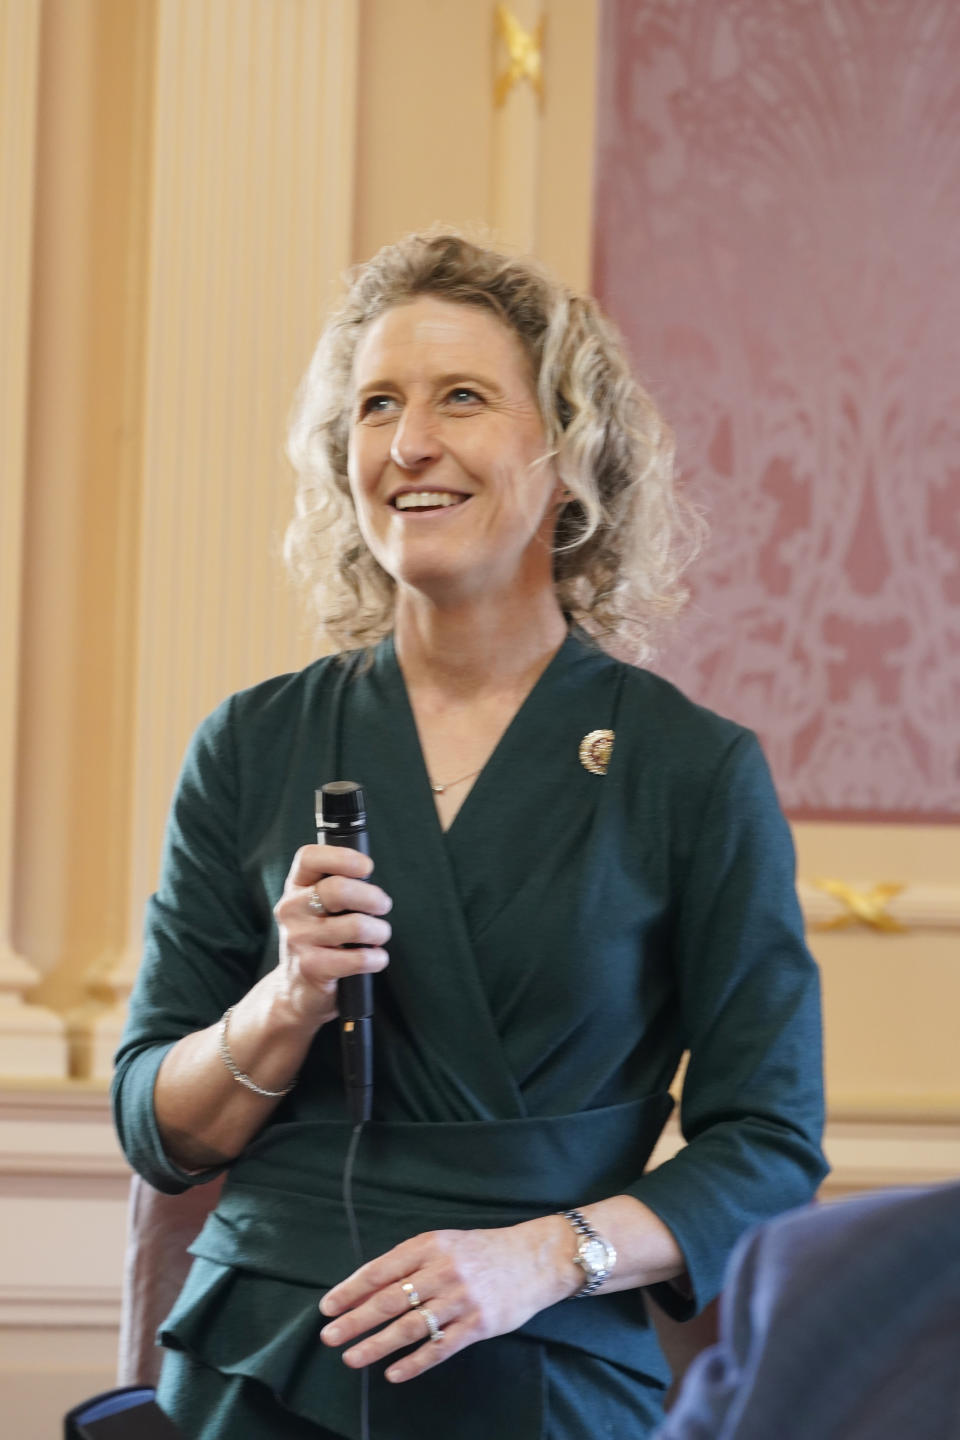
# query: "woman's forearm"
[[647, 1252], [204, 1114]]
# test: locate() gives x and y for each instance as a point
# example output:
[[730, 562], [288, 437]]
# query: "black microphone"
[[342, 820]]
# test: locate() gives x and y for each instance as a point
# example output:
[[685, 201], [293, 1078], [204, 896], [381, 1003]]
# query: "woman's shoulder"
[[671, 721], [293, 689], [246, 718]]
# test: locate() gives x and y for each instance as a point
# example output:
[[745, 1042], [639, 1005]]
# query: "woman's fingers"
[[344, 936], [336, 877], [390, 1303], [312, 862], [341, 892], [378, 1275], [324, 862], [319, 966], [397, 1321], [413, 1329], [469, 1285], [350, 929]]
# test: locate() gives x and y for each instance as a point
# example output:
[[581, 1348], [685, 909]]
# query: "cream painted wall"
[[890, 997], [432, 145]]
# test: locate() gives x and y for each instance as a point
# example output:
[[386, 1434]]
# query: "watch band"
[[596, 1272]]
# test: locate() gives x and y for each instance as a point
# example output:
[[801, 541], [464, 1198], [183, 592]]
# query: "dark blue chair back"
[[129, 1413]]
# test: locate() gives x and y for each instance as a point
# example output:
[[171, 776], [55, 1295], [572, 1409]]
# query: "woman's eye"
[[376, 405], [463, 395]]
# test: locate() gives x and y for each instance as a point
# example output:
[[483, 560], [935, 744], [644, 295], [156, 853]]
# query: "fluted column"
[[251, 227], [31, 1037], [442, 140], [518, 96], [543, 98]]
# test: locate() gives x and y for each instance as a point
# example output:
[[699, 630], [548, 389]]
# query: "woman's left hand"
[[474, 1283]]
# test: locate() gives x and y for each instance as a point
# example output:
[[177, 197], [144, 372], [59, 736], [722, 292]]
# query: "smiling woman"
[[584, 874], [623, 534], [454, 492]]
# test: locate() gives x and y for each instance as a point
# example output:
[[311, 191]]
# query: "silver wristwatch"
[[595, 1256]]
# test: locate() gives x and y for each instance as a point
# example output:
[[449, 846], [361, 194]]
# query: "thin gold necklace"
[[439, 789]]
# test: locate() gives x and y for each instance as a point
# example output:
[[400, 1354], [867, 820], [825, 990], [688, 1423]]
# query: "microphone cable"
[[341, 816], [354, 1229]]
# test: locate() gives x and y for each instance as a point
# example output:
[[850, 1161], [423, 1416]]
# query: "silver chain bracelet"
[[234, 1068]]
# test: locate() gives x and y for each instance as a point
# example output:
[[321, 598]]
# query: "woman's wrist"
[[263, 1040], [294, 1007], [549, 1242]]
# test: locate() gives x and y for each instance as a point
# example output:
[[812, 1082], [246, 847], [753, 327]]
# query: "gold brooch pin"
[[595, 751]]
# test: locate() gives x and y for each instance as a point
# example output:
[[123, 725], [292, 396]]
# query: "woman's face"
[[445, 430]]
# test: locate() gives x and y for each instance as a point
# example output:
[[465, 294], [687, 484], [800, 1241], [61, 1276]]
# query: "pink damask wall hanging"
[[778, 235]]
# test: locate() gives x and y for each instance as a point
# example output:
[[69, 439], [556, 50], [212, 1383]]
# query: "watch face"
[[593, 1253]]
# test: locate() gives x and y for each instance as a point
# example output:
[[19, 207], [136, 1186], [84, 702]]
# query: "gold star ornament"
[[525, 53]]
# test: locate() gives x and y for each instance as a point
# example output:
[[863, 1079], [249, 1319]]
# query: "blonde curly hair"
[[624, 538]]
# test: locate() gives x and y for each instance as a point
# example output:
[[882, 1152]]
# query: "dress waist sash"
[[281, 1212]]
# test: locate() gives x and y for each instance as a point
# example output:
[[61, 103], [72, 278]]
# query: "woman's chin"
[[440, 587]]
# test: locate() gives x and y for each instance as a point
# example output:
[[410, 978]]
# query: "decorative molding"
[[835, 905], [83, 1307], [525, 53], [32, 1039], [63, 1201], [871, 1154], [871, 1150], [61, 1131]]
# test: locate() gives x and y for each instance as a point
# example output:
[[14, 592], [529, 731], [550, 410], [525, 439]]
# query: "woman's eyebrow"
[[464, 377], [440, 382]]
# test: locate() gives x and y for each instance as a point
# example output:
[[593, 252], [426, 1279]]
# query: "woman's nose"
[[415, 440]]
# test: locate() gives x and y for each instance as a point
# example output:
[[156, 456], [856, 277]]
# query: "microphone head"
[[340, 804]]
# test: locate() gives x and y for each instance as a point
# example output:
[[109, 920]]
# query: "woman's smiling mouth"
[[427, 500]]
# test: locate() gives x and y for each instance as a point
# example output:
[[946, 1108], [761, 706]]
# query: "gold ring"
[[413, 1299], [315, 905]]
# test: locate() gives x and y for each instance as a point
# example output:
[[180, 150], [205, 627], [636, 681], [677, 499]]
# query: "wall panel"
[[777, 224], [778, 206]]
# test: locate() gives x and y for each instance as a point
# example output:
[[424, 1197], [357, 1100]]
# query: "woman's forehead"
[[438, 333]]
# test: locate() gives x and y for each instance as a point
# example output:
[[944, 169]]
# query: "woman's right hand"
[[312, 959]]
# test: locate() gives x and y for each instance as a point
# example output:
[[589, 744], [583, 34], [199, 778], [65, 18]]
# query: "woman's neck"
[[480, 647]]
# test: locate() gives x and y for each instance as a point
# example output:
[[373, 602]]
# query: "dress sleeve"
[[749, 994], [203, 943]]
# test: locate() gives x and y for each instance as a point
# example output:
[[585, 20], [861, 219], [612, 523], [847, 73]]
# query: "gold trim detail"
[[862, 907], [595, 751], [525, 52]]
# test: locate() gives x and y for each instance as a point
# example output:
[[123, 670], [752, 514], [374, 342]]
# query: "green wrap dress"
[[554, 953]]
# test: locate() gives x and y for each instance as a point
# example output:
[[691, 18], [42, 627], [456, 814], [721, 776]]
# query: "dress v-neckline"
[[481, 781]]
